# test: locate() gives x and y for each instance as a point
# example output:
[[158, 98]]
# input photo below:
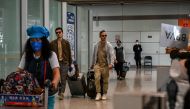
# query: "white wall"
[[131, 30]]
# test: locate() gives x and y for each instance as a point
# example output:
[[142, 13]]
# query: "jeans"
[[51, 102], [63, 73]]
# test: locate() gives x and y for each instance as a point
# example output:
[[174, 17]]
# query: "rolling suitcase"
[[77, 87], [91, 88], [125, 69]]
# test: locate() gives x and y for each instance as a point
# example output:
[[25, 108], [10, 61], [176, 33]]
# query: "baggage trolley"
[[39, 101]]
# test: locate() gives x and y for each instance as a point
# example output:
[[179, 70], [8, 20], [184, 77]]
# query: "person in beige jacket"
[[102, 61]]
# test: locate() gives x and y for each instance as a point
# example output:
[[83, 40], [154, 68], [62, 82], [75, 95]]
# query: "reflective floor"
[[139, 81], [144, 80]]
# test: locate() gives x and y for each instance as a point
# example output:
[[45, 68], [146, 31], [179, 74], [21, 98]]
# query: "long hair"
[[45, 50]]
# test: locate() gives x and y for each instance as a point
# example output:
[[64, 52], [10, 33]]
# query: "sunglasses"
[[58, 32], [104, 35]]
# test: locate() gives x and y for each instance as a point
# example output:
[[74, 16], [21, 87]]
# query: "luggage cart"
[[10, 101]]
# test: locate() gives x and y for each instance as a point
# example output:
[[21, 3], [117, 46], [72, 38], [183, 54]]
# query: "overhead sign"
[[174, 36]]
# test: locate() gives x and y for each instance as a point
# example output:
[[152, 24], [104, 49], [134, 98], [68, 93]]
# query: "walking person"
[[62, 48], [137, 50], [120, 59], [102, 61], [40, 61]]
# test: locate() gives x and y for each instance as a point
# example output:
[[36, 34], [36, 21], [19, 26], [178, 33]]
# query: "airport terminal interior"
[[154, 23]]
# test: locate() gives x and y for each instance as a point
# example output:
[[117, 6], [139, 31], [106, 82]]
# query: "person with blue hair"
[[40, 61]]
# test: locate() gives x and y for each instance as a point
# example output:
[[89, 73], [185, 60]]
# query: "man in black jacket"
[[137, 49]]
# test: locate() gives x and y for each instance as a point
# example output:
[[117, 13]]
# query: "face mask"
[[36, 46]]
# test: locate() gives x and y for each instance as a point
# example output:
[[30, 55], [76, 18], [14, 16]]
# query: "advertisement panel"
[[71, 32]]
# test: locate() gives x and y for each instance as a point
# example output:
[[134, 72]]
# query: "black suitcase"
[[126, 66], [77, 87], [125, 69], [91, 88]]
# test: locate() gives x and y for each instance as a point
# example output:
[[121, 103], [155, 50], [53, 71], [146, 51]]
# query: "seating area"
[[148, 61]]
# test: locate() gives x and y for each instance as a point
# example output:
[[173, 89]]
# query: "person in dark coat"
[[137, 50], [120, 59], [63, 51]]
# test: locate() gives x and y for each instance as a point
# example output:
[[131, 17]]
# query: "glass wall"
[[54, 17], [35, 12], [9, 36], [10, 28]]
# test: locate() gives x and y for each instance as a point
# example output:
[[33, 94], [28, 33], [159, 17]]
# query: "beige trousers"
[[104, 73]]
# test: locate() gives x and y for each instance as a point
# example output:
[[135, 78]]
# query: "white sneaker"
[[61, 96], [98, 96], [104, 97]]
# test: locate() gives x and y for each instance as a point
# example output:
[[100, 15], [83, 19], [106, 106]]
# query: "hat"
[[37, 32]]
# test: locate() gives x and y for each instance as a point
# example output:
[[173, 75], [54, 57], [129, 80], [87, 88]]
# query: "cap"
[[37, 31]]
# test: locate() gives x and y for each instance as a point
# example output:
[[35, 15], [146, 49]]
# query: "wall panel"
[[131, 30], [107, 25], [150, 48], [145, 25], [150, 37], [129, 37], [162, 59]]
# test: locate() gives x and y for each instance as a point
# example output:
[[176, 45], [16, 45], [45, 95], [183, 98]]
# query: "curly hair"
[[45, 50]]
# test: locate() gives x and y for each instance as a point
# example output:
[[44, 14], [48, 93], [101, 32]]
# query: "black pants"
[[138, 62], [119, 68]]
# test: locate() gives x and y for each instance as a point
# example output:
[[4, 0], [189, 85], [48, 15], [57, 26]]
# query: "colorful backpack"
[[20, 83]]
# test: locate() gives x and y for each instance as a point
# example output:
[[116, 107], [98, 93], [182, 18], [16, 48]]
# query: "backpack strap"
[[45, 69]]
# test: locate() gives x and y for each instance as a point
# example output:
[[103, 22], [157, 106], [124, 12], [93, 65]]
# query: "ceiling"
[[110, 2]]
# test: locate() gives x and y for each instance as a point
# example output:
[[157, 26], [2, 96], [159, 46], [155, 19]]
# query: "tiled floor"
[[144, 80]]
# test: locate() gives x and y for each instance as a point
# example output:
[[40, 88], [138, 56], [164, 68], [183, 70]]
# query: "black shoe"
[[118, 77]]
